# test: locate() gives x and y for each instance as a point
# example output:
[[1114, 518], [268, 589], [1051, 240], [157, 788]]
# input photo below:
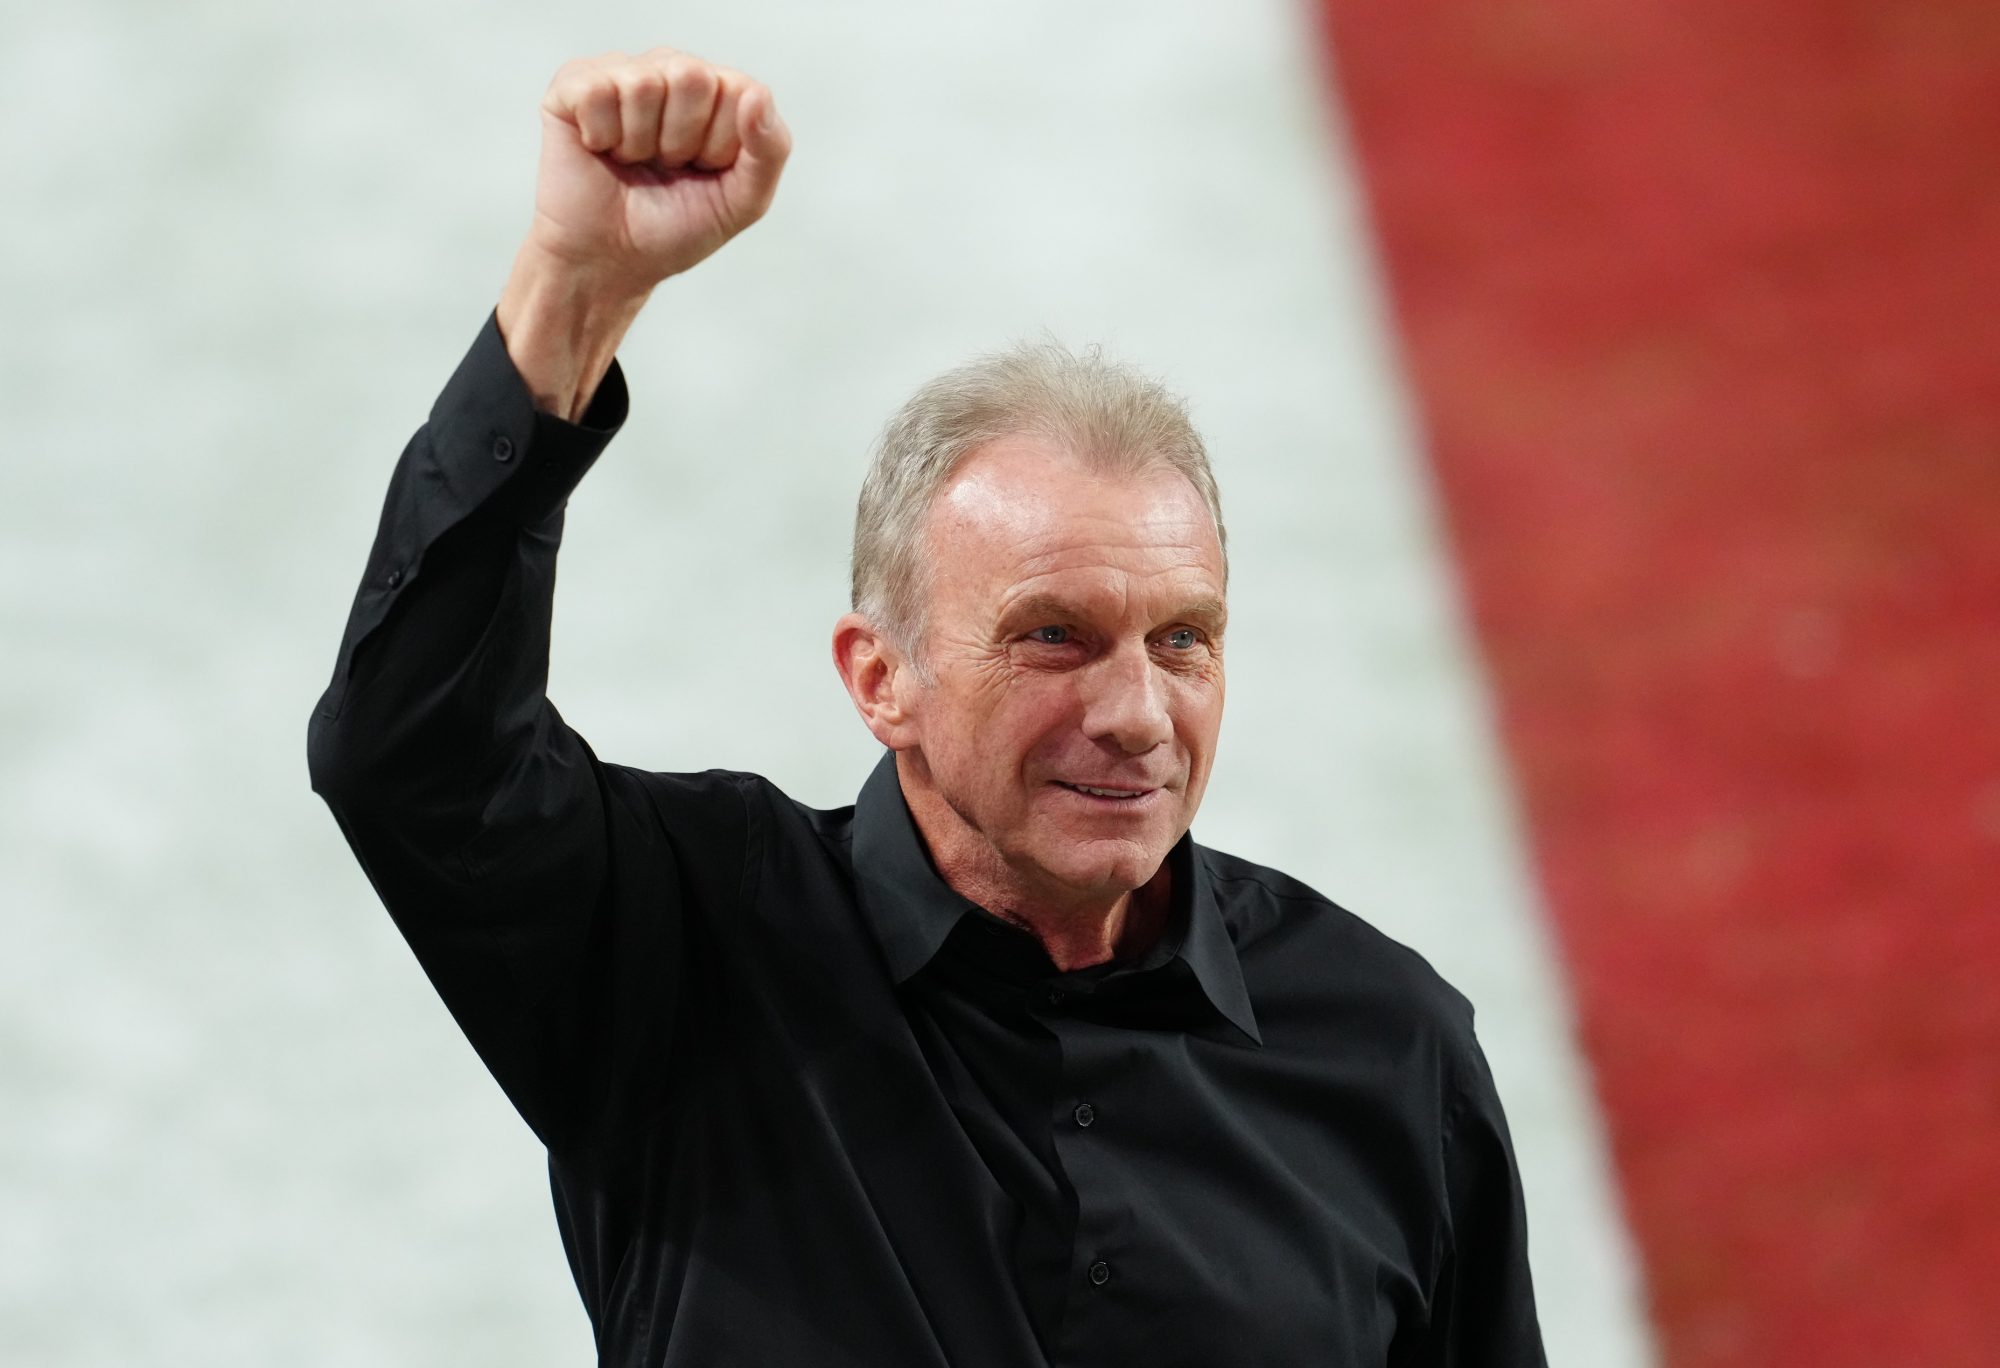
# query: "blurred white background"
[[245, 245]]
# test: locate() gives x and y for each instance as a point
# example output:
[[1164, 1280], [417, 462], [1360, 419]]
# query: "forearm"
[[439, 698], [445, 653], [563, 323]]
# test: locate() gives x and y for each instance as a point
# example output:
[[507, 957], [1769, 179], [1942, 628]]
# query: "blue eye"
[[1182, 638], [1050, 636]]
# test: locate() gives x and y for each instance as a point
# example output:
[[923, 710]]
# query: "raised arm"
[[510, 857]]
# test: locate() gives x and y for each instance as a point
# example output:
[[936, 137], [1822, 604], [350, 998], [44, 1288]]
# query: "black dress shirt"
[[805, 1106]]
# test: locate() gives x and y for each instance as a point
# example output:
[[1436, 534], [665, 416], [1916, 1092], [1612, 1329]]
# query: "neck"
[[1077, 928], [1079, 939]]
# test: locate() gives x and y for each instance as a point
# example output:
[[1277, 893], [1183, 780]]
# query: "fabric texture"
[[803, 1103]]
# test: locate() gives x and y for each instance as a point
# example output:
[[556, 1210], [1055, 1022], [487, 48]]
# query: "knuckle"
[[690, 74], [640, 83]]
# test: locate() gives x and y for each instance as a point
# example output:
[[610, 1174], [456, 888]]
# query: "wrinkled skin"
[[1075, 640]]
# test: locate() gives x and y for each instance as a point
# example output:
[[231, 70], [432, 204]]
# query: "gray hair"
[[1112, 418]]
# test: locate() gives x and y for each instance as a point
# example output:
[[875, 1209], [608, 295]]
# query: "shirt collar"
[[911, 910]]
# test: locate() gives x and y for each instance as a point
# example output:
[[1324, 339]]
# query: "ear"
[[872, 669]]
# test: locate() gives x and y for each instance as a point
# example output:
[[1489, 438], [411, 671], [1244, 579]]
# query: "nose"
[[1125, 701]]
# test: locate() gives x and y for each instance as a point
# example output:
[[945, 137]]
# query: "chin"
[[1104, 871]]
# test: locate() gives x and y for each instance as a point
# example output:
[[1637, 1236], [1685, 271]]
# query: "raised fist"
[[649, 163]]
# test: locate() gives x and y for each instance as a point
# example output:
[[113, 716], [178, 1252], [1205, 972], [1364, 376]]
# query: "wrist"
[[562, 322]]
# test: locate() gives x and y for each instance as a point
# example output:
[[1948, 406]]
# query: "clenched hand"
[[648, 164]]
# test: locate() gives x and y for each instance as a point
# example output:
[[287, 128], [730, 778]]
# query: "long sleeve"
[[507, 854], [1483, 1307]]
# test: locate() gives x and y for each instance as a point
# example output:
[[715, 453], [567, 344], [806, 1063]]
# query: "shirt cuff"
[[488, 440]]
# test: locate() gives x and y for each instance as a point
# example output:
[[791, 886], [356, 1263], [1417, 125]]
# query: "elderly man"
[[996, 1067]]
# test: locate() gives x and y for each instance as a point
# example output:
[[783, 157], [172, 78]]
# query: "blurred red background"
[[1699, 306]]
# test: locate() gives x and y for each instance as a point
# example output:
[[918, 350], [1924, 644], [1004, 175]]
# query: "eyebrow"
[[1209, 614]]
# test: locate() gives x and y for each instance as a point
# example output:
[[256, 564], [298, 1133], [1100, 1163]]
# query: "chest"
[[1104, 1192]]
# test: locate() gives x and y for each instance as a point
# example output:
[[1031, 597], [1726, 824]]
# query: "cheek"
[[985, 734], [1036, 717], [1198, 711]]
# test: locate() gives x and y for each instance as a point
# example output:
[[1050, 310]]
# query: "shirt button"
[[1053, 996], [1085, 1113], [503, 448], [1100, 1272], [395, 578]]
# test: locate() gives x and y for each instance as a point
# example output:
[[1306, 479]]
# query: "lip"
[[1133, 797]]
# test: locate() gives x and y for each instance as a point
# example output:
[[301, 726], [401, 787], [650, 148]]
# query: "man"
[[996, 1067]]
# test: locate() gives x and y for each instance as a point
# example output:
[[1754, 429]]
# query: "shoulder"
[[713, 795], [1301, 948], [736, 801]]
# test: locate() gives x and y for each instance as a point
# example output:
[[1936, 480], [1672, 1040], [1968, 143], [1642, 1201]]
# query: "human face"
[[1075, 646]]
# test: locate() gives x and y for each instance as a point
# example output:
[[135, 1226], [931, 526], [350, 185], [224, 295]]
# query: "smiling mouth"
[[1115, 795]]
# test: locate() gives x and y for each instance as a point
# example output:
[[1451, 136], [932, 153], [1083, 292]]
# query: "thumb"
[[767, 142]]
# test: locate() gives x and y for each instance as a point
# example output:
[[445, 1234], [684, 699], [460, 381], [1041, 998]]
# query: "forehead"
[[1023, 514]]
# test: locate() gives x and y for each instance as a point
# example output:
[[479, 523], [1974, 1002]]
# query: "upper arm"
[[557, 930], [1483, 1306]]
